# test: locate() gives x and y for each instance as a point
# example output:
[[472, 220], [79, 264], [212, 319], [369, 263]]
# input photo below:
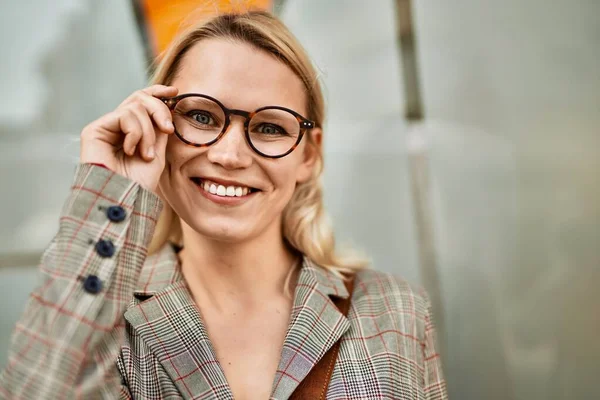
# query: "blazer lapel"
[[316, 324], [169, 323]]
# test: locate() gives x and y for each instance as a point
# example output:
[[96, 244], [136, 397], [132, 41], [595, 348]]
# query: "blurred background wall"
[[511, 99]]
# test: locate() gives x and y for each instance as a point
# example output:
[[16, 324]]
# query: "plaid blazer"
[[109, 322]]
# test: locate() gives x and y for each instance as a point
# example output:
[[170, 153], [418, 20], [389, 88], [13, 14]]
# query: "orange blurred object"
[[164, 18]]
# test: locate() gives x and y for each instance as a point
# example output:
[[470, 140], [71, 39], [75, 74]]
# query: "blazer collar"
[[162, 269], [169, 322]]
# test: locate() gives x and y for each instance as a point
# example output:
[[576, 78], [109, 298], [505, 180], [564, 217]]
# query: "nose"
[[231, 150]]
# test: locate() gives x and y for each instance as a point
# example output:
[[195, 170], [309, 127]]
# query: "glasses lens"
[[273, 132], [198, 120]]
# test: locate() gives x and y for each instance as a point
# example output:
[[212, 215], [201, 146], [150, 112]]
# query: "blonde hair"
[[305, 224]]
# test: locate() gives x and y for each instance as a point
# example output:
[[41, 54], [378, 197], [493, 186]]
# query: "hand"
[[132, 139]]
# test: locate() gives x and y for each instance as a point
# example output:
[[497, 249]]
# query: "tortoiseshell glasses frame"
[[304, 123]]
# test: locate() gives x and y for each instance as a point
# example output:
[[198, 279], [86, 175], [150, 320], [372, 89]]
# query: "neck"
[[247, 275]]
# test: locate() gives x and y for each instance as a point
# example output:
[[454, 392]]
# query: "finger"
[[161, 90], [158, 91], [146, 145], [160, 113], [161, 144], [131, 127], [109, 123]]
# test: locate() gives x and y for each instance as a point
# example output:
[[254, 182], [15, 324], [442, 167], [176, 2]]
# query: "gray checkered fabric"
[[141, 336]]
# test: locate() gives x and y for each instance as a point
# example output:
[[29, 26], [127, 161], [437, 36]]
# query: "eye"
[[202, 117], [271, 129]]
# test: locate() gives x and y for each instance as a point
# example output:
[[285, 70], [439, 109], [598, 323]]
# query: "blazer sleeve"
[[435, 384], [68, 338]]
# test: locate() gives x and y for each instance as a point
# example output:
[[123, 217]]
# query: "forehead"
[[239, 75]]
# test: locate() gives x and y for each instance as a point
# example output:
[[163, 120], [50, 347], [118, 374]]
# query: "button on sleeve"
[[92, 284], [116, 213], [105, 248], [72, 328]]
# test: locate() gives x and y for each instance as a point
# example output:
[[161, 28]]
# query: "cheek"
[[175, 154], [284, 176], [178, 155]]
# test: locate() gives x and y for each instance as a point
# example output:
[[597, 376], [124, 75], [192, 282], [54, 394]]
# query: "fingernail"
[[151, 152], [169, 124]]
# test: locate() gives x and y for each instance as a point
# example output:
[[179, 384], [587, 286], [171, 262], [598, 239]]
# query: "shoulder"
[[160, 269], [387, 296], [372, 284]]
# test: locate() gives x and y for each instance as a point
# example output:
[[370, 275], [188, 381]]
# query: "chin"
[[222, 229]]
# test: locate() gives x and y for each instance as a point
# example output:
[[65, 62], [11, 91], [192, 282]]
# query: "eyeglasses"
[[271, 131]]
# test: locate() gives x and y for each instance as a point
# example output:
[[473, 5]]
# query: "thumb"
[[161, 144]]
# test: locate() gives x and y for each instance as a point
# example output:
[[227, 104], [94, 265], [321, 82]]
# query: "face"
[[245, 78]]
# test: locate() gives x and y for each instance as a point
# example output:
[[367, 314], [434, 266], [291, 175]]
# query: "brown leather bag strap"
[[315, 384]]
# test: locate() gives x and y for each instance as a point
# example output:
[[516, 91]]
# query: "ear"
[[311, 154]]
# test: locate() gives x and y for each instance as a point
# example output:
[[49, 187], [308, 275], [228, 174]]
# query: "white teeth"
[[221, 190]]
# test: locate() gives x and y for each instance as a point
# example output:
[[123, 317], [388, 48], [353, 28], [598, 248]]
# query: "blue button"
[[92, 284], [116, 213], [105, 248]]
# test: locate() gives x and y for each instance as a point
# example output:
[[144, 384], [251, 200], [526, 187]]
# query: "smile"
[[221, 190]]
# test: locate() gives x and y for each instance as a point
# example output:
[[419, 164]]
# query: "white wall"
[[512, 99], [366, 169], [74, 61], [513, 89]]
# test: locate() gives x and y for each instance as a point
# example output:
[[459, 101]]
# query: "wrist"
[[100, 165]]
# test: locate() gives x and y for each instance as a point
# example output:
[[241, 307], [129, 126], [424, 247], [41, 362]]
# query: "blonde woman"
[[193, 258]]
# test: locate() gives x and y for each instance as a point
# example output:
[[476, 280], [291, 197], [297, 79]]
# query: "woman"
[[194, 253]]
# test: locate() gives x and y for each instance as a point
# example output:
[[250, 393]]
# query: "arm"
[[435, 384], [67, 341]]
